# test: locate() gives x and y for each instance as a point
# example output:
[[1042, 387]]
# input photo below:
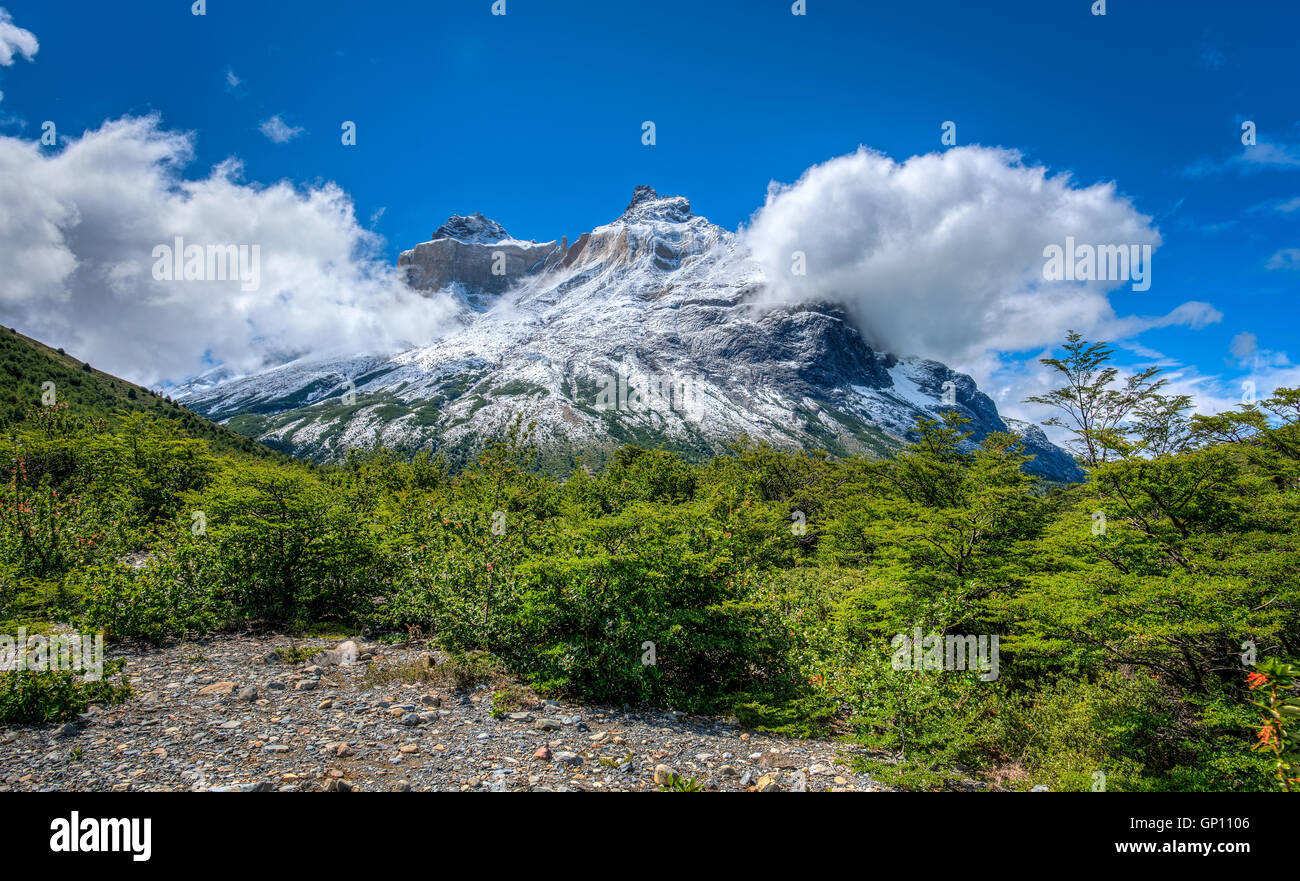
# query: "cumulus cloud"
[[77, 242], [15, 41], [278, 130], [943, 255]]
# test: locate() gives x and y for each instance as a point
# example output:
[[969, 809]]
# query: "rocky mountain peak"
[[641, 194], [647, 204], [472, 230]]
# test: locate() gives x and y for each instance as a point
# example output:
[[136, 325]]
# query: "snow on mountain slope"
[[644, 330]]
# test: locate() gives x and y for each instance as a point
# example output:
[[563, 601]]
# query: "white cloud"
[[232, 82], [15, 41], [1247, 353], [279, 131], [1283, 155], [1258, 157], [1215, 394], [1287, 258], [80, 226], [942, 255], [1244, 346]]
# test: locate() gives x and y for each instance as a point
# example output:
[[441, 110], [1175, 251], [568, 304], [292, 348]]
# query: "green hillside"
[[26, 365]]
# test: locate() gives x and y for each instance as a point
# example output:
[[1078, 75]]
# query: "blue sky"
[[534, 118]]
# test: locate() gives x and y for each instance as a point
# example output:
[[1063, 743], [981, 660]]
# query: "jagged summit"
[[642, 193], [472, 230], [647, 204]]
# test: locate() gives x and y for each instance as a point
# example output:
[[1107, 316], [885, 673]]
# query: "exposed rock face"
[[478, 255], [643, 330]]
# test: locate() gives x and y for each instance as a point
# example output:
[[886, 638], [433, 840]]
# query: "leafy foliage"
[[42, 696], [768, 584]]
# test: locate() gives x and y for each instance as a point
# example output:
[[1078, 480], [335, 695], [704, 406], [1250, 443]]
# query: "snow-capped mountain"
[[644, 330]]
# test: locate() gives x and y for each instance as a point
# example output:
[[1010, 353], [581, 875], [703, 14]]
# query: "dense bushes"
[[170, 596], [647, 604], [39, 696], [765, 583]]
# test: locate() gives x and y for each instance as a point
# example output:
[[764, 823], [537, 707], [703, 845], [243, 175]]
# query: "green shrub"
[[168, 597], [33, 697], [647, 606]]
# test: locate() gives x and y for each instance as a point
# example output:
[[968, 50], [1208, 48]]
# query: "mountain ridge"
[[659, 298]]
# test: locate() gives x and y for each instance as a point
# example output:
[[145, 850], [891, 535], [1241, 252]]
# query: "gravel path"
[[227, 714]]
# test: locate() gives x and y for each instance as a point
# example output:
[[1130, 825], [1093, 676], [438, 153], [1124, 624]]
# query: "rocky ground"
[[230, 714]]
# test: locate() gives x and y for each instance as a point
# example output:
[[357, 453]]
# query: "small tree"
[[1096, 412]]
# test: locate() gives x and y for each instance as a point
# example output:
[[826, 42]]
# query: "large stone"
[[217, 688], [344, 654]]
